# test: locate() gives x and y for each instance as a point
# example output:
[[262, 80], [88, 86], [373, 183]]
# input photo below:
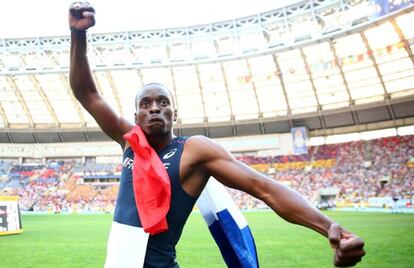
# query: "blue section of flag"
[[236, 245]]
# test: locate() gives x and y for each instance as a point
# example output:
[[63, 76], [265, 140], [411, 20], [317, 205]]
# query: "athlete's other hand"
[[349, 248], [81, 16]]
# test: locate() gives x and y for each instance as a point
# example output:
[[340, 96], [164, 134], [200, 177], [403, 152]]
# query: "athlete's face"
[[155, 111]]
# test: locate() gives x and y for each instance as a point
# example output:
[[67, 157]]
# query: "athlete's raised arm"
[[81, 18]]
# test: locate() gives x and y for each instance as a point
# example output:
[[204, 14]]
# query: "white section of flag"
[[126, 247], [214, 199]]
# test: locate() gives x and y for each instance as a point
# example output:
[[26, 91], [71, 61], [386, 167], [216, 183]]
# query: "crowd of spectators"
[[358, 171]]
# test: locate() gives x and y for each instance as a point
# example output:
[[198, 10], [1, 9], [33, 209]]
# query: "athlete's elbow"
[[76, 88], [262, 190], [84, 96], [81, 96], [271, 193]]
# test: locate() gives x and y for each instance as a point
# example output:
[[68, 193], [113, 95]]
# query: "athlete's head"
[[155, 109]]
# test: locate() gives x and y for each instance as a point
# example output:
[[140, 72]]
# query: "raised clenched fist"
[[81, 16]]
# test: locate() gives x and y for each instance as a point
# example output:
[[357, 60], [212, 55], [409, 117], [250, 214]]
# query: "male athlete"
[[191, 162]]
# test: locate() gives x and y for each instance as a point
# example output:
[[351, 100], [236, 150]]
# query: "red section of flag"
[[151, 183]]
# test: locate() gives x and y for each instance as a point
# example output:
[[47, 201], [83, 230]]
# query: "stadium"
[[317, 94]]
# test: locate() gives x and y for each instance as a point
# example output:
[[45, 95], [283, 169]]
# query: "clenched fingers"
[[350, 244], [348, 259], [81, 10]]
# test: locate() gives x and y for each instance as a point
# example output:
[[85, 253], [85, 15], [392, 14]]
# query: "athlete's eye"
[[145, 104], [164, 102]]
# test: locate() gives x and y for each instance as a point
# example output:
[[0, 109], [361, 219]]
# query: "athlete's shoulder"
[[200, 144], [198, 139]]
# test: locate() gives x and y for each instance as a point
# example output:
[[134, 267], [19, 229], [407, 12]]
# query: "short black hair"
[[159, 85]]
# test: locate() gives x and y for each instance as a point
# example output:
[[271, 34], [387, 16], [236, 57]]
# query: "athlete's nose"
[[154, 109]]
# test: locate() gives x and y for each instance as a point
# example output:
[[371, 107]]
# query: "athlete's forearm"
[[293, 207], [80, 76]]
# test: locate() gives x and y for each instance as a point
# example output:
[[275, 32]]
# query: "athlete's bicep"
[[220, 164]]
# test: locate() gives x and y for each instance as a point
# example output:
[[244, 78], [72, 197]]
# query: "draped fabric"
[[151, 183]]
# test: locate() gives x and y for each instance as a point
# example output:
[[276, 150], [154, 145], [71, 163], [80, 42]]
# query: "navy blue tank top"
[[161, 247]]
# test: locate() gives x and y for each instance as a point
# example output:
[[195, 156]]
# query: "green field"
[[80, 240]]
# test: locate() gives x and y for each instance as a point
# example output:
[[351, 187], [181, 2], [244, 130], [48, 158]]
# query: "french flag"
[[228, 226], [127, 244]]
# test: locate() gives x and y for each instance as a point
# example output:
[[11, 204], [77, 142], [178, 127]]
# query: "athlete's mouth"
[[155, 120]]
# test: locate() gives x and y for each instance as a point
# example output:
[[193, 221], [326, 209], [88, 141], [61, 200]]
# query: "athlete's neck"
[[160, 142]]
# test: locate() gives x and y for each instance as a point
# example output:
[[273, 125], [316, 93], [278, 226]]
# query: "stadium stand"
[[359, 170]]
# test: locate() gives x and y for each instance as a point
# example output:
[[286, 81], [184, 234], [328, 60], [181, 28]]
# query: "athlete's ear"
[[136, 118], [175, 115]]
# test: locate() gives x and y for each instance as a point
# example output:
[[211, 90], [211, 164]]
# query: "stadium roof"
[[320, 64], [126, 15]]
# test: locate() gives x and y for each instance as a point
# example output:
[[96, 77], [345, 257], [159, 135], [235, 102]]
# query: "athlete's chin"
[[156, 132]]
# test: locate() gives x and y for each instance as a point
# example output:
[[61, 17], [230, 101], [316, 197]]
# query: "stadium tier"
[[361, 173]]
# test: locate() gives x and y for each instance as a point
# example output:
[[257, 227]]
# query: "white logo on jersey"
[[166, 165], [170, 154], [128, 163]]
